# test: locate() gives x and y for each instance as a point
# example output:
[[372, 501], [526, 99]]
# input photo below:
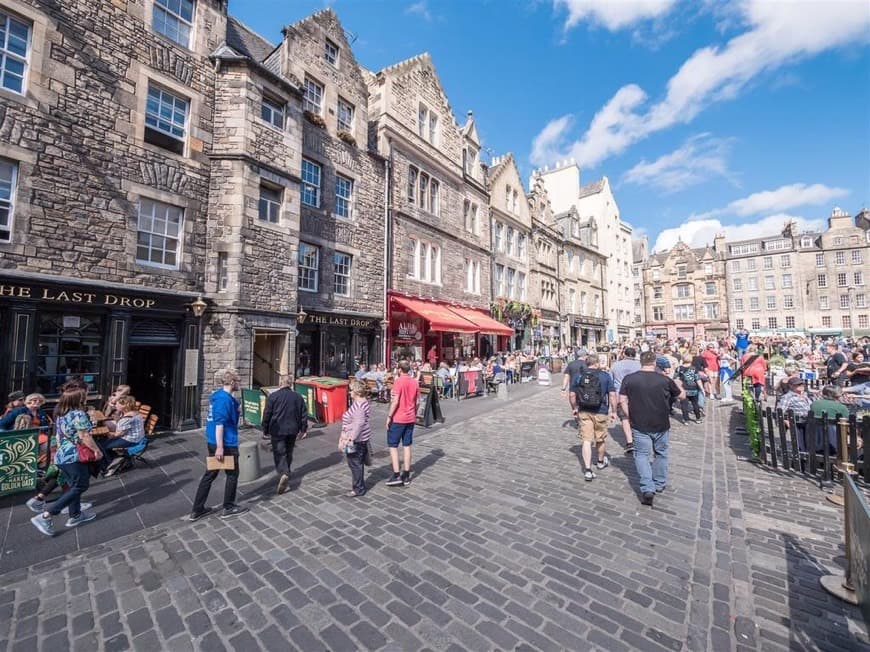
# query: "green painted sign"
[[253, 403], [19, 454]]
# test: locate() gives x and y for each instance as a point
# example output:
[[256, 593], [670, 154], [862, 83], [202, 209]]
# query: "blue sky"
[[706, 116]]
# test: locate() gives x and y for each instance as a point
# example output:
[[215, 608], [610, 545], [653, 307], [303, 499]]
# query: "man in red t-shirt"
[[400, 423], [712, 359]]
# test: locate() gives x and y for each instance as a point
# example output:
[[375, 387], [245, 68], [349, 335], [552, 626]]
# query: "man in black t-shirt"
[[645, 396], [573, 368], [836, 365]]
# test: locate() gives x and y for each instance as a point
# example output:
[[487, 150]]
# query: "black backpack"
[[587, 390], [689, 376]]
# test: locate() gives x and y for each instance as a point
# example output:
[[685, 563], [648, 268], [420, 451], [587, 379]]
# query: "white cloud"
[[700, 158], [698, 233], [420, 9], [781, 199], [779, 34], [612, 14]]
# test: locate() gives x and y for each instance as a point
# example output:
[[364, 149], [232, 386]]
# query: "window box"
[[347, 137], [315, 119]]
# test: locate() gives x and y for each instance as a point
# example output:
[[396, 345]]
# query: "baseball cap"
[[662, 363], [794, 382], [16, 396]]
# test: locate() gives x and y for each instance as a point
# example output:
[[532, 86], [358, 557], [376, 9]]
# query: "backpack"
[[587, 389], [689, 376]]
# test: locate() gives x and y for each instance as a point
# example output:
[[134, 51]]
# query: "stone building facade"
[[511, 225], [640, 253], [686, 292], [545, 288], [103, 237], [340, 261], [434, 172], [811, 283]]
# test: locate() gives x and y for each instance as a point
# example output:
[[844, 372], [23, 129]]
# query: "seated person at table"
[[129, 431], [112, 411], [31, 415], [831, 406], [361, 372], [446, 379], [15, 400]]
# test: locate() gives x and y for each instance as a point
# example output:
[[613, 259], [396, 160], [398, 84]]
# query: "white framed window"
[[682, 291], [771, 322], [174, 20], [270, 204], [345, 115], [824, 304], [788, 301], [740, 250], [738, 323], [656, 274], [771, 302], [863, 321], [681, 271], [822, 280], [752, 283], [786, 281], [710, 288], [434, 197], [330, 53], [857, 278], [312, 99], [511, 278], [521, 286], [756, 323], [806, 242], [785, 260], [166, 119], [767, 262], [472, 276], [789, 322], [311, 173], [309, 267], [222, 271], [708, 269], [499, 280], [657, 292], [424, 190], [684, 311], [343, 196], [658, 313], [846, 320], [412, 183], [470, 216], [820, 260], [750, 265], [8, 182], [422, 120], [754, 304], [711, 311], [433, 128], [826, 321], [343, 264], [737, 283], [775, 245], [572, 301], [860, 300], [844, 302], [509, 241], [840, 258], [735, 266], [14, 44], [272, 111], [738, 305], [521, 245], [842, 280], [857, 258], [498, 240], [424, 261], [769, 283], [158, 233]]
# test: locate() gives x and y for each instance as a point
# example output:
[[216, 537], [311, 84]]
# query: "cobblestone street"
[[497, 544]]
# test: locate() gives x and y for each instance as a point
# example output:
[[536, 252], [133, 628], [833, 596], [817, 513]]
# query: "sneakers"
[[233, 510], [395, 481], [647, 498], [195, 516], [83, 517], [602, 464], [406, 478], [44, 525], [113, 467], [82, 507], [629, 448], [36, 505], [660, 490], [588, 475], [283, 482]]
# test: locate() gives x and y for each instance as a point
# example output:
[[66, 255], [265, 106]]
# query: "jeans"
[[701, 398], [108, 445], [282, 452], [684, 406], [652, 476], [356, 461], [209, 477], [78, 477]]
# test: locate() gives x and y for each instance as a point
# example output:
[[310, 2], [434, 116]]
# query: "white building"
[[595, 201]]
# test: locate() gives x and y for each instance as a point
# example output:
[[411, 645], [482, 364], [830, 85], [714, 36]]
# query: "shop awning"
[[440, 318], [485, 324]]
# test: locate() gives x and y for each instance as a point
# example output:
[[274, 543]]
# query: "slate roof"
[[246, 41]]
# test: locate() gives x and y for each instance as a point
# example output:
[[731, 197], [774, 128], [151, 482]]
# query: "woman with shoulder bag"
[[355, 436], [76, 449]]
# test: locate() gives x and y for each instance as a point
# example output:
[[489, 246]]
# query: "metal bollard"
[[249, 461]]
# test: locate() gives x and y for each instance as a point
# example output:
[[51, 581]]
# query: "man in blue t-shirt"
[[222, 439], [593, 383], [741, 342]]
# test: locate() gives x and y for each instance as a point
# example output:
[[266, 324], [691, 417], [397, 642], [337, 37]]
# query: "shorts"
[[400, 432], [593, 427]]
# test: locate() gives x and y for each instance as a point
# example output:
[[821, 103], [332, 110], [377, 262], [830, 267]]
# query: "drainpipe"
[[388, 245]]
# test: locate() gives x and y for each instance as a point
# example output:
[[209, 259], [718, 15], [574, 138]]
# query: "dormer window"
[[330, 53]]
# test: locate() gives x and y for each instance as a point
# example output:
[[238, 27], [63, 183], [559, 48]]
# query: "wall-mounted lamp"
[[301, 316], [198, 306]]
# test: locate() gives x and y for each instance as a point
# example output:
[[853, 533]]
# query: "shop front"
[[335, 344], [54, 329], [590, 330]]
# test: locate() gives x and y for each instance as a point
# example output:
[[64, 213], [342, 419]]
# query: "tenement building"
[[545, 293], [104, 180], [686, 292], [596, 201], [640, 253], [511, 224], [438, 270]]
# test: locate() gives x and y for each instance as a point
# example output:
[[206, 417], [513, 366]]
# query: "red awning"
[[440, 318], [485, 323]]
